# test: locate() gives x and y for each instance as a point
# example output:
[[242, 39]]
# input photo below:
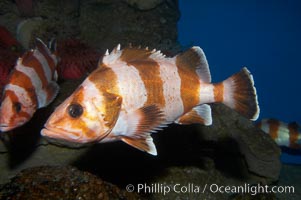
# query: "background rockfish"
[[287, 135], [135, 92], [31, 85]]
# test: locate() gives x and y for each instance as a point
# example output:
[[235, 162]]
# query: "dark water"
[[262, 35]]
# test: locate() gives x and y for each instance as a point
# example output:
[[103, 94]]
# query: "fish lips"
[[57, 133], [55, 137], [5, 128]]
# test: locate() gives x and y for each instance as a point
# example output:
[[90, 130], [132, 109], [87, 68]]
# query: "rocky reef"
[[60, 183], [230, 152]]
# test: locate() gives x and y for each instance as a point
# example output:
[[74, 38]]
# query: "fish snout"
[[5, 127]]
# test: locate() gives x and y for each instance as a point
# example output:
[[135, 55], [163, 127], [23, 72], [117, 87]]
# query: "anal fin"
[[140, 124], [200, 114]]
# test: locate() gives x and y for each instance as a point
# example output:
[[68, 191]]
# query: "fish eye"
[[75, 110], [17, 107]]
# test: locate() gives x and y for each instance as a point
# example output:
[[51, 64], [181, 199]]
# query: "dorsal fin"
[[52, 45], [41, 46], [26, 58], [131, 54], [113, 57], [156, 55], [195, 59]]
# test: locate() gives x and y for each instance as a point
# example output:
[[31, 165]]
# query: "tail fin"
[[240, 94]]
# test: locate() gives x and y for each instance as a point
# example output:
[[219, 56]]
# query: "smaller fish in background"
[[286, 135], [31, 85]]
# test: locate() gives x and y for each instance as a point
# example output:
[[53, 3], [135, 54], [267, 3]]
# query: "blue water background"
[[264, 35]]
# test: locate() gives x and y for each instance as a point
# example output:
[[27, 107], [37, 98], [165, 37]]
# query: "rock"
[[25, 30], [60, 19], [144, 5], [9, 15], [101, 23], [260, 152], [60, 183], [290, 177], [269, 196], [115, 22], [188, 183], [191, 182]]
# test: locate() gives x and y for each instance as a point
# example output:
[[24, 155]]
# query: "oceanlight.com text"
[[213, 188]]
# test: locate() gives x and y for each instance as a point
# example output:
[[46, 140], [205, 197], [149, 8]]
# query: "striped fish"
[[287, 135], [135, 92], [31, 85]]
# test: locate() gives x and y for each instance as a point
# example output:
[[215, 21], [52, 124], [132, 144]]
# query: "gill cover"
[[111, 109]]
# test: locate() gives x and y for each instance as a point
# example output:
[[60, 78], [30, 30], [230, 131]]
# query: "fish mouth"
[[60, 141], [5, 127], [58, 137], [56, 133], [66, 138]]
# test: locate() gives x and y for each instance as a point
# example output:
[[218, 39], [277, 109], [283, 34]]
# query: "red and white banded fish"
[[31, 85], [135, 92], [288, 135]]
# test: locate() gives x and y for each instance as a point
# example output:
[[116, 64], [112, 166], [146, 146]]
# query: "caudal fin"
[[240, 94]]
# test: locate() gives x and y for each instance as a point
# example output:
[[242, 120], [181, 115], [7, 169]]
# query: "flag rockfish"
[[31, 85], [135, 92], [287, 135]]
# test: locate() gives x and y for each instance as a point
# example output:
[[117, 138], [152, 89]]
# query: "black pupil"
[[17, 107], [75, 110]]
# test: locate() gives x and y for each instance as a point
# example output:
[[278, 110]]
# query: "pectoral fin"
[[200, 114], [141, 123]]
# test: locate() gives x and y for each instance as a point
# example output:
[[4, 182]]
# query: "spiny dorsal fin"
[[41, 46], [200, 114], [52, 45], [113, 57], [157, 55], [195, 59], [131, 54], [26, 58]]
